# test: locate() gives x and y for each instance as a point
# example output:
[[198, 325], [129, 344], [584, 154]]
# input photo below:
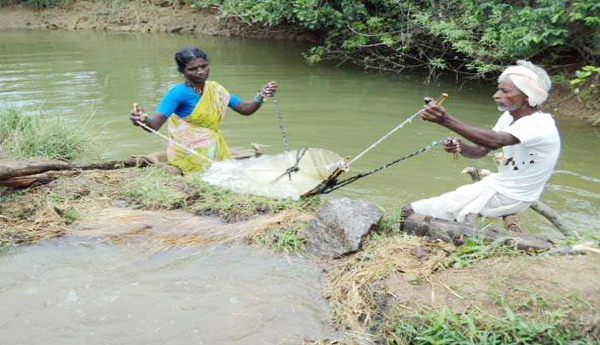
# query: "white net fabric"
[[275, 176]]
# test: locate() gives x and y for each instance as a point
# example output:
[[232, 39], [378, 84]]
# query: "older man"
[[529, 140]]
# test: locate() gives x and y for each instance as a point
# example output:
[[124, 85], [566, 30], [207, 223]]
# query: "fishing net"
[[286, 175]]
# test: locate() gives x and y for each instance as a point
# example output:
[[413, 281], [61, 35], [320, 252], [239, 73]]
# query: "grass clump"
[[155, 188], [33, 136], [286, 240], [475, 249], [532, 319]]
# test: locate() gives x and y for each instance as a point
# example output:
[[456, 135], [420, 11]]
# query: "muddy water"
[[73, 292], [99, 75]]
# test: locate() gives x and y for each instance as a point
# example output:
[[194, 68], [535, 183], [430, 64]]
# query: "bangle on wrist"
[[258, 97]]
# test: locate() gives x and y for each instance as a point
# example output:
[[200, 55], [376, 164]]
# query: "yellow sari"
[[200, 131]]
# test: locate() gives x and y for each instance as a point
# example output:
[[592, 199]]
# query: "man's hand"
[[453, 145], [433, 112]]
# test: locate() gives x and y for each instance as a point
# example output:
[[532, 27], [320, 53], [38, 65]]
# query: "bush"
[[469, 37]]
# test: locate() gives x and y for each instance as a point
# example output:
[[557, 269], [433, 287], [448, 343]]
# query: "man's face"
[[509, 97]]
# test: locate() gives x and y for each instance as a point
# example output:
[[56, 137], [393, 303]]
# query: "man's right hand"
[[433, 112]]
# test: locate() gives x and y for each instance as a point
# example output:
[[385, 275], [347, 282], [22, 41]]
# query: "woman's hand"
[[433, 112], [269, 89], [137, 114]]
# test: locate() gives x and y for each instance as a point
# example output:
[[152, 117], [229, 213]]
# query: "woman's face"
[[196, 71]]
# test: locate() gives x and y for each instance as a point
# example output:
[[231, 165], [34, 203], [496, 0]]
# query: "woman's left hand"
[[269, 89]]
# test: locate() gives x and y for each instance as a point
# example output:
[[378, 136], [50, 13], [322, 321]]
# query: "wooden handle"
[[442, 98]]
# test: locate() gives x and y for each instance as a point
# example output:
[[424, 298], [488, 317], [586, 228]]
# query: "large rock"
[[340, 227]]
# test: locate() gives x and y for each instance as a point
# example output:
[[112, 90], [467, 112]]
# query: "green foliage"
[[232, 206], [586, 82], [473, 37], [391, 221], [28, 136]]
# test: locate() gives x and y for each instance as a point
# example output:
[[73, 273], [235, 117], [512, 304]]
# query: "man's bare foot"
[[513, 223]]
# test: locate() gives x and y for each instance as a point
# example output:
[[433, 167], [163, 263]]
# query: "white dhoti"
[[477, 198]]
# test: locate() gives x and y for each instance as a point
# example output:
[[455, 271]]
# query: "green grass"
[[476, 249], [70, 215], [285, 240], [531, 319], [31, 136], [155, 188]]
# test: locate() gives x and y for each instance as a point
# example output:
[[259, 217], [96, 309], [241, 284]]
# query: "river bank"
[[147, 17], [137, 16]]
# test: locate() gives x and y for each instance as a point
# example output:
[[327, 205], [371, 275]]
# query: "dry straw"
[[356, 281]]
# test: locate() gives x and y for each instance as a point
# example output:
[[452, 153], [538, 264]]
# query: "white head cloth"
[[535, 86]]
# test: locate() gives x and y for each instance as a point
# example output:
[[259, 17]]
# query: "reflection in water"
[[85, 293]]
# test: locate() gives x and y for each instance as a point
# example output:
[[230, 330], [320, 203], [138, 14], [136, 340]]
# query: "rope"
[[172, 141], [286, 141], [333, 185], [439, 101], [294, 168], [386, 136]]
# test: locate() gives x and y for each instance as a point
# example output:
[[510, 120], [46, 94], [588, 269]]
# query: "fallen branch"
[[39, 179], [10, 168]]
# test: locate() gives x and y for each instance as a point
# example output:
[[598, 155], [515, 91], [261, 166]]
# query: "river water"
[[343, 109]]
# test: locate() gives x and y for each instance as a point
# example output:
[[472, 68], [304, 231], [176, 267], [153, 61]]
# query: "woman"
[[195, 110]]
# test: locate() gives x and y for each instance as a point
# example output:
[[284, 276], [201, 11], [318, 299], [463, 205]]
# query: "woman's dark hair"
[[188, 54]]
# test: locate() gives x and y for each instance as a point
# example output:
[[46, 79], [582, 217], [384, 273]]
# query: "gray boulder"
[[340, 227]]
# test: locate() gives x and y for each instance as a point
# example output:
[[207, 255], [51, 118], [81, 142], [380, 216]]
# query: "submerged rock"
[[340, 227]]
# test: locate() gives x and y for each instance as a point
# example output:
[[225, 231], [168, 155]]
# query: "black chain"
[[286, 142], [330, 187]]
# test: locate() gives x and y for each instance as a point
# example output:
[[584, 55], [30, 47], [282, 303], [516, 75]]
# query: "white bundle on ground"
[[286, 175]]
